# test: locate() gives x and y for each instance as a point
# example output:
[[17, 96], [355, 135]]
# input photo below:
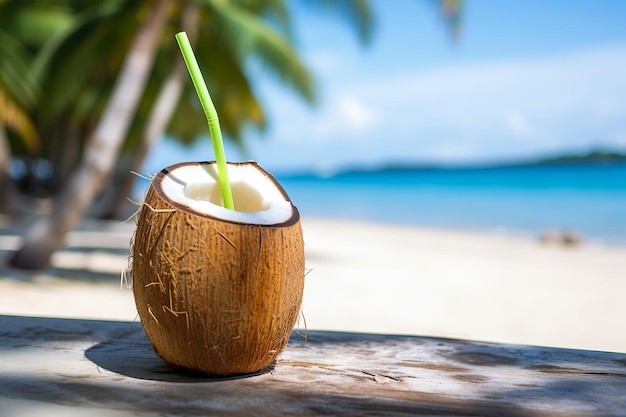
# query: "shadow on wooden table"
[[130, 354], [111, 365]]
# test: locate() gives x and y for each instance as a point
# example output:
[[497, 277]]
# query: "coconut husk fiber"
[[215, 296]]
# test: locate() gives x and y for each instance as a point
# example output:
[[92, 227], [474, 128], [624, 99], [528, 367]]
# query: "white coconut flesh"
[[257, 198]]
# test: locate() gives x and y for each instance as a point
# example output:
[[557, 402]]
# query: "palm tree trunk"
[[161, 114], [47, 235], [8, 191]]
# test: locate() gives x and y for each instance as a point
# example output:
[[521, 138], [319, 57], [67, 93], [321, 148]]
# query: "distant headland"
[[594, 157], [600, 157]]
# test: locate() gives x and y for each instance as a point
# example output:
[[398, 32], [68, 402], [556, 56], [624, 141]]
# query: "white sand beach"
[[399, 279], [368, 277]]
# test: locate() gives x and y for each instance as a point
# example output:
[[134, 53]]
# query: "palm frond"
[[451, 10], [273, 11], [73, 62], [358, 13], [248, 35], [17, 119], [15, 75], [18, 89], [36, 23]]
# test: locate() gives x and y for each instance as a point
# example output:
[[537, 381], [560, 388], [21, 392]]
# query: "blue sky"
[[527, 78]]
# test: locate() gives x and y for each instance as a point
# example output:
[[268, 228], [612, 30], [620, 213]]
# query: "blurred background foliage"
[[59, 61]]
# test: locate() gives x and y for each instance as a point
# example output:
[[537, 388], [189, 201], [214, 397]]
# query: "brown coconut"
[[216, 294]]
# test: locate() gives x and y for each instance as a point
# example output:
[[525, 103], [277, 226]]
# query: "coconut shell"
[[215, 296]]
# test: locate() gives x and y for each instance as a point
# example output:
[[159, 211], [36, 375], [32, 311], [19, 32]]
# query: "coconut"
[[218, 291]]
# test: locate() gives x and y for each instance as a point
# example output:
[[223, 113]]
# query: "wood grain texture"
[[99, 365]]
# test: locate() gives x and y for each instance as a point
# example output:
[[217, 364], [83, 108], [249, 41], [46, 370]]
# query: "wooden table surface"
[[52, 366]]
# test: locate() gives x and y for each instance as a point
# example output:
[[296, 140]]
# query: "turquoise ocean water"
[[585, 197]]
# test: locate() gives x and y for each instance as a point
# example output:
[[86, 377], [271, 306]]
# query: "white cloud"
[[341, 118], [552, 85], [357, 117], [472, 112], [573, 99], [518, 124]]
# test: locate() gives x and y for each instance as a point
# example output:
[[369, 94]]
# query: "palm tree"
[[115, 195], [77, 70], [47, 235], [247, 31], [232, 31]]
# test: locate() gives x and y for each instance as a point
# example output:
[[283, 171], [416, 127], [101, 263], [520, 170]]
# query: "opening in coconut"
[[257, 196]]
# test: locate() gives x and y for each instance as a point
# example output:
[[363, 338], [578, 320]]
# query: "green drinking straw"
[[211, 116]]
